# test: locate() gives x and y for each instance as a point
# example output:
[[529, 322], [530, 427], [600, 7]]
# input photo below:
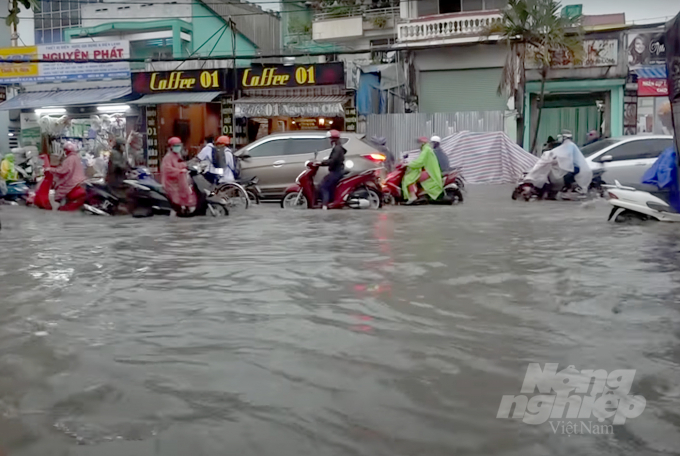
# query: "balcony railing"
[[447, 26], [341, 12]]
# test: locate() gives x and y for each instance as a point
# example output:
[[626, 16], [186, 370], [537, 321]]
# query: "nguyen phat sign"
[[64, 62], [277, 76], [179, 81]]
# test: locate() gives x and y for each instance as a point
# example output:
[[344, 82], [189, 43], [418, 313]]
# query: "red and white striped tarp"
[[486, 158]]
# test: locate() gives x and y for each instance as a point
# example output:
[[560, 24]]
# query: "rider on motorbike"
[[336, 168], [117, 169], [7, 170], [425, 171], [579, 165], [175, 178], [442, 158], [68, 177]]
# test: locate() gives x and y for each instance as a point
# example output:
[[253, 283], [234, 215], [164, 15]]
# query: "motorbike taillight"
[[612, 195]]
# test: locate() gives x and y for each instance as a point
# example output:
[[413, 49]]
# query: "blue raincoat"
[[664, 174]]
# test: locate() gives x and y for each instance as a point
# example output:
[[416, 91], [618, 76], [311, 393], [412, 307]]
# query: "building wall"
[[206, 23], [461, 57], [114, 10]]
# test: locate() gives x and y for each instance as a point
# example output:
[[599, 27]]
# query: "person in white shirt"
[[206, 154]]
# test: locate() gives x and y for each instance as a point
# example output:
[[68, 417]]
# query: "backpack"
[[218, 160]]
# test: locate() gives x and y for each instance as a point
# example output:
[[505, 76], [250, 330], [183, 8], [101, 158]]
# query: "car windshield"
[[595, 147]]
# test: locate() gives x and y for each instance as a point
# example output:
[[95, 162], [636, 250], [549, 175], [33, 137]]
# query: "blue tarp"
[[368, 95], [664, 174]]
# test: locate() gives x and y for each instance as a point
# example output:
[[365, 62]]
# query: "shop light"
[[10, 134], [322, 121], [113, 108], [330, 122], [50, 111]]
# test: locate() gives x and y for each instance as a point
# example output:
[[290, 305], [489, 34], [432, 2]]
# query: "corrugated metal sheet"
[[402, 130], [32, 100], [261, 27]]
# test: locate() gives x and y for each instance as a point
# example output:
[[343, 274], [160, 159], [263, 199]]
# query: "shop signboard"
[[596, 53], [227, 117], [645, 49], [179, 81], [30, 129], [65, 62], [351, 120], [652, 87], [291, 76], [292, 109], [152, 138]]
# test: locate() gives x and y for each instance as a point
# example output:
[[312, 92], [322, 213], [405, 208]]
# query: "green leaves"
[[14, 10]]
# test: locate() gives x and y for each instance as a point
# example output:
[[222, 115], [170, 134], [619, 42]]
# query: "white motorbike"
[[640, 202]]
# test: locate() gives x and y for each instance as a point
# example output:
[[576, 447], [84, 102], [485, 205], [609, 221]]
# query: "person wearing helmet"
[[425, 171], [336, 169], [68, 177], [442, 158], [580, 167], [175, 179]]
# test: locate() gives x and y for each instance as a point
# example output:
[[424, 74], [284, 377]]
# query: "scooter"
[[553, 189], [358, 191], [454, 184], [640, 202], [14, 192]]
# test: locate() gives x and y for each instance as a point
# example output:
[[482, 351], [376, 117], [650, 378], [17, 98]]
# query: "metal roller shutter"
[[460, 90]]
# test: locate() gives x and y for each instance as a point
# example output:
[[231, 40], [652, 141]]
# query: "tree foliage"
[[13, 13]]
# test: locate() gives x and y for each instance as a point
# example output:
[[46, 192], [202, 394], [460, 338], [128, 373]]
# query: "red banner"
[[652, 87]]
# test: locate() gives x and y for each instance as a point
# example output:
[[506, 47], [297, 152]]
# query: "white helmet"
[[436, 139]]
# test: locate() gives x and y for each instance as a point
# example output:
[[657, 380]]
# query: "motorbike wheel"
[[252, 197], [294, 200], [374, 199], [628, 216], [455, 195], [100, 206], [217, 210], [235, 196]]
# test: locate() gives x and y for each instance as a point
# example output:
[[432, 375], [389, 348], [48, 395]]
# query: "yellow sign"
[[18, 70]]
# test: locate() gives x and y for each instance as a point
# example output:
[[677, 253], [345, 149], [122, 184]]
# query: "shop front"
[[275, 98], [186, 104], [55, 102]]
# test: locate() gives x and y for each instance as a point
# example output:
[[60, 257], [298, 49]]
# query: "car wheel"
[[294, 200]]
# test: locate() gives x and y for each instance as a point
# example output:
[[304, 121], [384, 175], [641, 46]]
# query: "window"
[[635, 150], [268, 149], [307, 145], [595, 147], [450, 6], [652, 148]]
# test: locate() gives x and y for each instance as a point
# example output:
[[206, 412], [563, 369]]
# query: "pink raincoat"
[[176, 182], [68, 175]]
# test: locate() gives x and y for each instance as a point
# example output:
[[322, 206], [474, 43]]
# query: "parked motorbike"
[[640, 202], [14, 192], [454, 184], [357, 191]]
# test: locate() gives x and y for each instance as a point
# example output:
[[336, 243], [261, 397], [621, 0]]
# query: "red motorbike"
[[454, 184], [358, 191]]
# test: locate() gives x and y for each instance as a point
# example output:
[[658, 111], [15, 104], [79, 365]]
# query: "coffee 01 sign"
[[276, 76], [179, 81]]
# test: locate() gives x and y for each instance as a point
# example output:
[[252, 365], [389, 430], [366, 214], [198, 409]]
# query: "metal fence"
[[402, 130]]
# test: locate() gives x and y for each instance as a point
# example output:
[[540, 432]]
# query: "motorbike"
[[14, 192], [357, 191], [146, 197], [640, 202], [454, 185], [553, 189]]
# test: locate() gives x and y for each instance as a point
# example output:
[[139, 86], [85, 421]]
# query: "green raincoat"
[[7, 170], [427, 160]]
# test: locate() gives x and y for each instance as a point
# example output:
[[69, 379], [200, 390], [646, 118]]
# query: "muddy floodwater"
[[340, 333]]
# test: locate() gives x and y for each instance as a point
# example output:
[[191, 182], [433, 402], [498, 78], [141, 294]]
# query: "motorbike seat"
[[662, 194], [154, 185]]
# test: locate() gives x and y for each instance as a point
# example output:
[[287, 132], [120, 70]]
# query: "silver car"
[[279, 158], [625, 158]]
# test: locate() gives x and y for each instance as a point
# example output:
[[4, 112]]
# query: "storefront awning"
[[32, 100], [176, 97], [652, 72], [329, 106]]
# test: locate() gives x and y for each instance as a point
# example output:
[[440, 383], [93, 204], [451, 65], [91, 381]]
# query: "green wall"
[[205, 24]]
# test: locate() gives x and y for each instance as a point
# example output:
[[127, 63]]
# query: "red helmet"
[[174, 141], [423, 140], [223, 140], [334, 134]]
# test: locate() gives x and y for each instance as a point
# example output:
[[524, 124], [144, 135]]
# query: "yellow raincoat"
[[7, 170]]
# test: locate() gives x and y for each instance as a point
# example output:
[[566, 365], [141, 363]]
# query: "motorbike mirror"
[[606, 158], [405, 156], [244, 156]]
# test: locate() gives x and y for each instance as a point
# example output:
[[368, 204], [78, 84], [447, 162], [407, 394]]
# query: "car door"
[[299, 150], [264, 160], [630, 160]]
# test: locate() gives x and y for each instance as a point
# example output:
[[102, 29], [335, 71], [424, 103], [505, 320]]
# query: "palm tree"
[[534, 30], [13, 16]]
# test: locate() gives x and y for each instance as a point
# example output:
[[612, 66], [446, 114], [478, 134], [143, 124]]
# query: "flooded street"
[[395, 332]]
